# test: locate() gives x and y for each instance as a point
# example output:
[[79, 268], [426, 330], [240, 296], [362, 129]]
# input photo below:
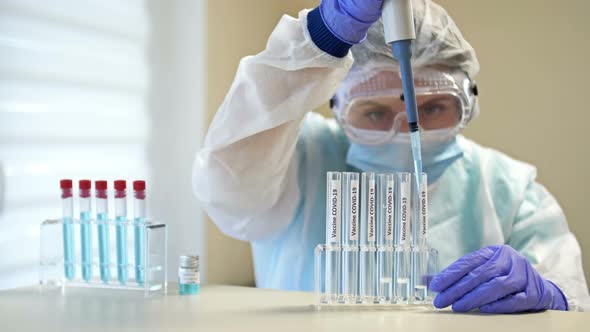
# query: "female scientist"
[[261, 172]]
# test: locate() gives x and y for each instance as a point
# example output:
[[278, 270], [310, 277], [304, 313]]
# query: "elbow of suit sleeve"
[[240, 210]]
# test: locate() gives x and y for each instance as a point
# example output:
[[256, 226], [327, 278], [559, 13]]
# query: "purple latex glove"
[[349, 20], [495, 279]]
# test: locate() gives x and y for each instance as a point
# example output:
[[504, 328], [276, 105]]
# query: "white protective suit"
[[261, 176]]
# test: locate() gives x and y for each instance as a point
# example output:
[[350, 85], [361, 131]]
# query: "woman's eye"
[[375, 115], [434, 109]]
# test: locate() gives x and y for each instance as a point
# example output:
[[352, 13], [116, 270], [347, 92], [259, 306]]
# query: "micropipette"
[[398, 24]]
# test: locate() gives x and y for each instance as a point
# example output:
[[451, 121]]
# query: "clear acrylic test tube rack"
[[380, 257], [153, 272], [418, 264]]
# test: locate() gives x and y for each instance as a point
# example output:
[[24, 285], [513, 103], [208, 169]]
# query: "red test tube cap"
[[85, 184], [139, 185], [65, 184], [100, 185], [120, 185]]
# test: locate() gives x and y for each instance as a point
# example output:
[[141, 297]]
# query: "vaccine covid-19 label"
[[404, 212], [371, 212], [354, 210], [423, 211], [188, 276], [334, 212], [389, 211]]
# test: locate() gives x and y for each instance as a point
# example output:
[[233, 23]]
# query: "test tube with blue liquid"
[[85, 229], [421, 250], [333, 223], [403, 259], [102, 218], [121, 230], [368, 266], [385, 245], [139, 230], [68, 228], [350, 236]]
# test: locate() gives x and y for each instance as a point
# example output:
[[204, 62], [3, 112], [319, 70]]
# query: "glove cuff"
[[323, 38], [559, 300]]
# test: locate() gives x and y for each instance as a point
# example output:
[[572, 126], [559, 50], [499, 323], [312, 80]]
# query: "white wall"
[[177, 103]]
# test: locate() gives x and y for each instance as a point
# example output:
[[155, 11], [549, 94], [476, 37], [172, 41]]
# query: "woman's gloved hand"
[[349, 20], [495, 279]]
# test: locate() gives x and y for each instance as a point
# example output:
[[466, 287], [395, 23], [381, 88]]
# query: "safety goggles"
[[370, 105]]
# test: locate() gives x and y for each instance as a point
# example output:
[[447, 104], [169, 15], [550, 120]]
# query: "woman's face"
[[382, 113], [438, 111]]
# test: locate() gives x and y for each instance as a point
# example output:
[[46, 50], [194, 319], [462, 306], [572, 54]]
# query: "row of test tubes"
[[102, 222], [374, 253]]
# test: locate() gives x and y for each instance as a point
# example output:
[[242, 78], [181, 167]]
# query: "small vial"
[[68, 228], [189, 281]]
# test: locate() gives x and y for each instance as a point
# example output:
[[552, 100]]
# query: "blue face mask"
[[397, 156]]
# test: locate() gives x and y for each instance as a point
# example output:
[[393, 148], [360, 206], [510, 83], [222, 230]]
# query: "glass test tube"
[[367, 291], [102, 218], [333, 220], [420, 215], [350, 236], [121, 230], [385, 243], [68, 228], [85, 229], [402, 241], [420, 277], [139, 232]]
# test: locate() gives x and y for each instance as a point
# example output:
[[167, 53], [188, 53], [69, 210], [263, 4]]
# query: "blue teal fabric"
[[397, 157], [482, 198], [323, 38]]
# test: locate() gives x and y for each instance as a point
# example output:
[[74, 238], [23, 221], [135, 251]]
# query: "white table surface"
[[230, 308]]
